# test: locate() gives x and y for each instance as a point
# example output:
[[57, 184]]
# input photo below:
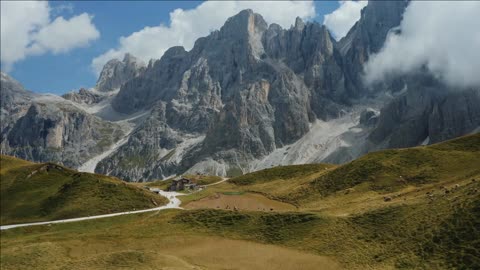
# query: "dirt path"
[[173, 203]]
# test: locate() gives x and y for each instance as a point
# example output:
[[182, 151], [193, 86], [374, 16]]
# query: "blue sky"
[[61, 72]]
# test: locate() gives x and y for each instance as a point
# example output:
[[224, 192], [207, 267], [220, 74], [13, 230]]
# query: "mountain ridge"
[[252, 95]]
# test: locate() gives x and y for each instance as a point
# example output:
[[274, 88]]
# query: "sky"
[[59, 46]]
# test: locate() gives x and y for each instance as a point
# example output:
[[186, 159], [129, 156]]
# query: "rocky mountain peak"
[[244, 98], [116, 72], [11, 92], [245, 25], [131, 60], [299, 24], [7, 80]]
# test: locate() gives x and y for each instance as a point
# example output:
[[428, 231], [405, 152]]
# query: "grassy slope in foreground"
[[438, 230], [442, 234], [391, 170], [381, 172], [33, 192]]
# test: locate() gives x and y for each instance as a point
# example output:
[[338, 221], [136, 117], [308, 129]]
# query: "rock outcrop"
[[84, 96], [115, 72], [428, 113], [48, 128]]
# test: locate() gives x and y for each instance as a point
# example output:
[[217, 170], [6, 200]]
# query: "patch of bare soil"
[[247, 201]]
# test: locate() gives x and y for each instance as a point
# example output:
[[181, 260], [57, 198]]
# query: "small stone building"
[[180, 184]]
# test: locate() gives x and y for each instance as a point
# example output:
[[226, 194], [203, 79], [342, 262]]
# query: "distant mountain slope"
[[39, 192], [48, 128], [256, 95]]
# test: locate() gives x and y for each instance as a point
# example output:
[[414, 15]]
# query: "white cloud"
[[26, 29], [342, 19], [441, 36], [62, 35], [188, 25]]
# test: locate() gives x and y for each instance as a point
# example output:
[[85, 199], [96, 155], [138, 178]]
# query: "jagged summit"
[[13, 84], [245, 22], [299, 24], [250, 96], [116, 72]]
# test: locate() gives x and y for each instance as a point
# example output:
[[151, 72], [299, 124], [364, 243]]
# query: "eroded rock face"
[[228, 89], [367, 36], [48, 128], [428, 112], [14, 101], [54, 132], [253, 92], [83, 96], [149, 152], [251, 88], [115, 73]]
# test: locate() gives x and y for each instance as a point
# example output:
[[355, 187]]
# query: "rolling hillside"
[[379, 172], [361, 215], [39, 192]]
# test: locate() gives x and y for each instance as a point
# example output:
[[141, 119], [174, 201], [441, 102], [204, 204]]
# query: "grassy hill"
[[289, 173], [438, 234], [343, 220], [381, 172], [390, 170], [39, 192]]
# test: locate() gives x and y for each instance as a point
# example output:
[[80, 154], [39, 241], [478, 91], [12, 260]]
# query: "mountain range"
[[246, 97]]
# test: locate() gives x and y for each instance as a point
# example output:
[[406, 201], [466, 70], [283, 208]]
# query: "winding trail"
[[173, 203], [219, 182]]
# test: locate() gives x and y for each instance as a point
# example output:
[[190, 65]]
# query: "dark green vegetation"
[[442, 233], [38, 192], [265, 227]]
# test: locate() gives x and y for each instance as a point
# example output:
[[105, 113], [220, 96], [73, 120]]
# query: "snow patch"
[[323, 139], [91, 164], [188, 143], [210, 167], [426, 141]]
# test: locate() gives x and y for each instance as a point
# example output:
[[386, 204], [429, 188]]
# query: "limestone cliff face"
[[367, 36], [428, 112], [247, 93], [14, 101], [53, 132], [83, 96], [228, 89], [116, 72], [48, 128], [251, 88]]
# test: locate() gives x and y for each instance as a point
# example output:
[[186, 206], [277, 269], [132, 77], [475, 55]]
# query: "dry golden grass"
[[247, 202], [342, 220], [146, 241]]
